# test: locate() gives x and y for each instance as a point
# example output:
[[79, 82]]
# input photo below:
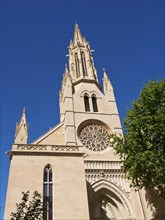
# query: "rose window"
[[94, 137]]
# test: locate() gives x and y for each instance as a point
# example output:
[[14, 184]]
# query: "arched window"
[[48, 194], [86, 103], [94, 103], [84, 64], [77, 65]]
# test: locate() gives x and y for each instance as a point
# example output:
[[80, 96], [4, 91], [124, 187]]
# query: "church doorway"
[[108, 202]]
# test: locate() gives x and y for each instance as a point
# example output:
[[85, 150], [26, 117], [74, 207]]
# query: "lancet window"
[[48, 194], [77, 65], [94, 103], [86, 103], [84, 64]]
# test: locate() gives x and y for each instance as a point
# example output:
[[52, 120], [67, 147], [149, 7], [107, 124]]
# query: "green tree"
[[29, 209], [142, 148]]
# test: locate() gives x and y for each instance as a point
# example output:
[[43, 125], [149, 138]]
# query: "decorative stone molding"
[[47, 150], [62, 148], [34, 153], [94, 164], [31, 147], [108, 170], [116, 177], [65, 148]]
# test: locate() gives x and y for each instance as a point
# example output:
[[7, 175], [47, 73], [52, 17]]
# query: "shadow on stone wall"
[[103, 214], [156, 205]]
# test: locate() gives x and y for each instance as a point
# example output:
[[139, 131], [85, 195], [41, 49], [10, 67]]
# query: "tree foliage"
[[29, 209], [143, 147]]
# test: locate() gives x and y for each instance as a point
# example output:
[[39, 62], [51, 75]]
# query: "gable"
[[54, 136]]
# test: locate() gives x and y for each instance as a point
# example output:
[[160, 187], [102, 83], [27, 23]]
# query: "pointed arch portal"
[[108, 202]]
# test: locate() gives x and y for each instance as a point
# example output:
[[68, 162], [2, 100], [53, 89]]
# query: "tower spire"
[[106, 83], [78, 38], [81, 63], [21, 132], [108, 89]]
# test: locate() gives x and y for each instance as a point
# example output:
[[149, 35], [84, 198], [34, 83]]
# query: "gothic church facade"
[[72, 165]]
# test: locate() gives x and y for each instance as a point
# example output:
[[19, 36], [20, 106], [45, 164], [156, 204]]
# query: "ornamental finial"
[[76, 25]]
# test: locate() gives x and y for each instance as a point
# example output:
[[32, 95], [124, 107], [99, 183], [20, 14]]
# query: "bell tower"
[[81, 97], [89, 115]]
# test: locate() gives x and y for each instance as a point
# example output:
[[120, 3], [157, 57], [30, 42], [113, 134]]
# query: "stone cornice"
[[103, 165], [87, 81], [47, 150]]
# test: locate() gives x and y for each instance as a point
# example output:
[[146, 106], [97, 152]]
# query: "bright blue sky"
[[128, 39]]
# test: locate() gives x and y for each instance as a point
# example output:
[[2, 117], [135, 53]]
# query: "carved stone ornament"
[[94, 137]]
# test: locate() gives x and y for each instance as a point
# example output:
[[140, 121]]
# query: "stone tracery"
[[94, 137]]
